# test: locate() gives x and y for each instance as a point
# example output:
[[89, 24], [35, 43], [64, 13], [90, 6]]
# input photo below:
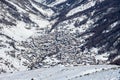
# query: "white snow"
[[19, 32], [102, 57], [94, 72], [81, 8], [50, 60], [56, 2], [46, 12], [42, 23], [6, 58], [114, 24], [118, 57], [111, 27]]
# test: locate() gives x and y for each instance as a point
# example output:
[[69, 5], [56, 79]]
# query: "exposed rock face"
[[116, 60], [35, 33]]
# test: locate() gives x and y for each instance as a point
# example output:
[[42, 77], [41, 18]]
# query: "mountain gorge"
[[40, 33]]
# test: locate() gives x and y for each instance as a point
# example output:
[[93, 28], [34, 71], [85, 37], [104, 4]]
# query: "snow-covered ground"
[[93, 72], [81, 8]]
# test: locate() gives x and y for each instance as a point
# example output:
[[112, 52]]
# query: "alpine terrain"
[[59, 36]]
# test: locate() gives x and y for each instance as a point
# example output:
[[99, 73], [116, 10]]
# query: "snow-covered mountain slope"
[[94, 24], [19, 19], [101, 72], [26, 16], [38, 33]]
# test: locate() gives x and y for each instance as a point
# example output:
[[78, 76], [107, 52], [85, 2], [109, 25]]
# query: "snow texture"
[[94, 72]]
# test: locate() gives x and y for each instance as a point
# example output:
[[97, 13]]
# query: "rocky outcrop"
[[116, 61]]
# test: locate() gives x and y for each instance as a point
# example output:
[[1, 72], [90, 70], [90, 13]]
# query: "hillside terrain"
[[42, 33]]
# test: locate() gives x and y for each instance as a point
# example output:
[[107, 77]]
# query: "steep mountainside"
[[18, 21], [39, 33]]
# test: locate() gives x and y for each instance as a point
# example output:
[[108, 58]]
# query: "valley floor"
[[92, 72]]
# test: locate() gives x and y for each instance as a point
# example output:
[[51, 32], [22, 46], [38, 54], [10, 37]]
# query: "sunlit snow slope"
[[101, 72]]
